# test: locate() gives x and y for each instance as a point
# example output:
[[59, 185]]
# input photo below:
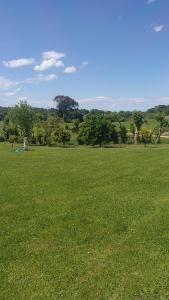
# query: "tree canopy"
[[96, 130], [65, 104], [138, 119], [22, 117]]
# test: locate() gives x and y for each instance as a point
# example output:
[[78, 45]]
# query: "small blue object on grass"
[[25, 146], [22, 149]]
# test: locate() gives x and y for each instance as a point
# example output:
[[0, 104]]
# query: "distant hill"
[[159, 108]]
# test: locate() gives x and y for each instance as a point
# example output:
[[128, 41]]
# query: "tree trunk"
[[158, 136], [136, 136]]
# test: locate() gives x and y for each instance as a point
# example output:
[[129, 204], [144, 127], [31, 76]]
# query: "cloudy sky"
[[111, 54]]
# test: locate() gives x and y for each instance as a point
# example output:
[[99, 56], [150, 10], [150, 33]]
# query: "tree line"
[[67, 124]]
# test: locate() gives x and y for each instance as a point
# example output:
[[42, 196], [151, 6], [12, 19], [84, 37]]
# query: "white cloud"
[[48, 77], [47, 64], [84, 64], [158, 28], [112, 103], [150, 1], [17, 63], [101, 97], [40, 77], [7, 94], [10, 94], [69, 70], [6, 83], [52, 54], [50, 59], [99, 102], [164, 100]]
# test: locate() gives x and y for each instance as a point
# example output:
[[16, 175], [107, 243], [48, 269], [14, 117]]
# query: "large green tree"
[[22, 117], [137, 120], [65, 105], [160, 118], [9, 129], [96, 130], [63, 136], [123, 134], [45, 132]]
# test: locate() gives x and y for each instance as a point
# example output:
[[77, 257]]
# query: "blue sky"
[[111, 54]]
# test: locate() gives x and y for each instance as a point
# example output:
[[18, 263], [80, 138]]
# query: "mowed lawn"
[[84, 223]]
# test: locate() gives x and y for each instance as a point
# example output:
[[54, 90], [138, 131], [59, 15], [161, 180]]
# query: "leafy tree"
[[12, 139], [138, 120], [63, 136], [146, 136], [64, 105], [95, 130], [123, 134], [51, 130], [132, 128], [39, 135], [77, 115], [9, 129], [160, 118], [52, 139], [3, 112], [22, 117], [117, 117], [44, 133], [113, 133], [2, 139], [76, 124], [49, 133], [52, 124], [159, 109]]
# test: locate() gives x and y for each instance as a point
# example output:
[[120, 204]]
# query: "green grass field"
[[84, 223]]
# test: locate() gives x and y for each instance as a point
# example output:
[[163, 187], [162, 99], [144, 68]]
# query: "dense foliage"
[[67, 124], [3, 112], [65, 106], [96, 130]]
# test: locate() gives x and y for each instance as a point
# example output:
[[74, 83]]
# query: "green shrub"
[[2, 139]]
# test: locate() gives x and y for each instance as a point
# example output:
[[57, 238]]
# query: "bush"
[[19, 140], [146, 136], [123, 135], [2, 139], [33, 140]]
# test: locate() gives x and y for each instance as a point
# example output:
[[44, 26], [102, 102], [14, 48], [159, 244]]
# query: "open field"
[[84, 223]]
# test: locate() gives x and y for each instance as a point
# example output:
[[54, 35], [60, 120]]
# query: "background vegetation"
[[69, 125]]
